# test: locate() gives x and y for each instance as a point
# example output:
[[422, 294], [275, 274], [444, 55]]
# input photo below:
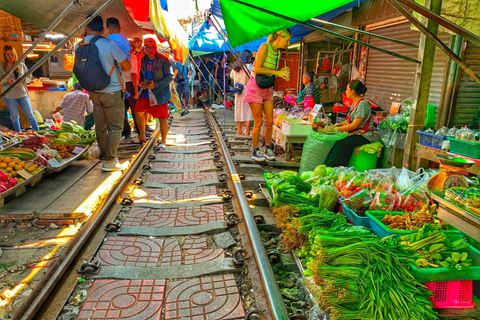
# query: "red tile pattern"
[[124, 299], [130, 251], [146, 217], [164, 178], [183, 165], [206, 298], [199, 215], [183, 156], [193, 256], [195, 242], [191, 177], [171, 255], [196, 192]]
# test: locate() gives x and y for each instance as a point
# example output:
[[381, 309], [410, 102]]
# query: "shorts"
[[158, 111], [205, 85], [255, 94]]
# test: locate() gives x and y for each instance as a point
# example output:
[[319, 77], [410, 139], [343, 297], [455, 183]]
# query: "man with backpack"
[[181, 82], [95, 69]]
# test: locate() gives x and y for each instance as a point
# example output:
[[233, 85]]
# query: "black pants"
[[129, 103], [342, 151]]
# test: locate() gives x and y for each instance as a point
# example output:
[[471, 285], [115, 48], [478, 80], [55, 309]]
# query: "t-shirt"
[[363, 110], [122, 42], [148, 73], [206, 69], [74, 105], [109, 52]]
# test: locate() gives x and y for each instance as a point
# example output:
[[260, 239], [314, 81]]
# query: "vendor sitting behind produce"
[[359, 125], [310, 90], [74, 105]]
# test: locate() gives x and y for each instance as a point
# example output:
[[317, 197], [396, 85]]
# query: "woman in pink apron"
[[359, 125]]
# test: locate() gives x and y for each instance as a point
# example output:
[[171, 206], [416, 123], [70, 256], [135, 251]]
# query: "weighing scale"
[[450, 173]]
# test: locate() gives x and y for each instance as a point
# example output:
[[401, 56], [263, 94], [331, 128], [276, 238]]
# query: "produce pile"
[[10, 167], [411, 220], [380, 190], [72, 133], [434, 248], [352, 273], [468, 198], [461, 134]]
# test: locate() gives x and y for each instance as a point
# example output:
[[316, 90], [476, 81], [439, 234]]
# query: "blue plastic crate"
[[353, 217], [431, 140]]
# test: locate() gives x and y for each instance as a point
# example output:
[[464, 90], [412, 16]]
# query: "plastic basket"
[[353, 216], [451, 294], [465, 148], [431, 140], [380, 229], [269, 186]]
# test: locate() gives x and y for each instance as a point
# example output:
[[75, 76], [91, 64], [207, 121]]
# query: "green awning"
[[245, 24]]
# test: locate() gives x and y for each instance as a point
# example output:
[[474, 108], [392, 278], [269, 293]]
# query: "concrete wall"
[[46, 101]]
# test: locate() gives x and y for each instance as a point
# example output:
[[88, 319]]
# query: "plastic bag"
[[403, 181], [328, 197], [57, 117], [359, 201], [316, 149], [68, 61], [151, 98], [93, 152], [386, 201], [38, 116], [414, 199]]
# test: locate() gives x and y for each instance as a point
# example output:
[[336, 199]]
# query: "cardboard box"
[[296, 127]]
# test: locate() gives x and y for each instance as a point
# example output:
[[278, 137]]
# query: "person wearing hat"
[[75, 104], [156, 76]]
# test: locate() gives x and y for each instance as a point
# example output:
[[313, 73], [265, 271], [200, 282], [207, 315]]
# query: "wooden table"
[[426, 154], [294, 147]]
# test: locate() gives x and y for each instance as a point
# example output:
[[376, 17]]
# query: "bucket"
[[363, 161], [308, 103]]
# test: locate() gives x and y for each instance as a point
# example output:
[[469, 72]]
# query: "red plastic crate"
[[451, 294]]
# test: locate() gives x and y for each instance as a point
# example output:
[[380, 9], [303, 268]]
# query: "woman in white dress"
[[243, 114]]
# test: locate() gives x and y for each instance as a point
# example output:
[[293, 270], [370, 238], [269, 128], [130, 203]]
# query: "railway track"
[[177, 238]]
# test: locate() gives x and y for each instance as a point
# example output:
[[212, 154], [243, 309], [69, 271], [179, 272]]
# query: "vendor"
[[310, 90], [359, 125]]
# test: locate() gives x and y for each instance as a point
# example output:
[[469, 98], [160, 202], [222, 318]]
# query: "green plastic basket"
[[465, 148], [450, 274], [269, 186], [380, 229]]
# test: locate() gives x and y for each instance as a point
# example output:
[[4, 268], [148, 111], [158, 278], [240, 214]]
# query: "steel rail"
[[59, 45], [35, 300], [272, 292], [60, 17], [341, 36]]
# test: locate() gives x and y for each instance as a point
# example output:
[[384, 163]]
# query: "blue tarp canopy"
[[207, 40]]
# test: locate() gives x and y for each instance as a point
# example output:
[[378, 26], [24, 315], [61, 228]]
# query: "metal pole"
[[233, 50], [328, 31], [34, 302], [40, 39], [273, 295], [434, 38], [331, 24], [441, 21], [49, 54], [209, 72]]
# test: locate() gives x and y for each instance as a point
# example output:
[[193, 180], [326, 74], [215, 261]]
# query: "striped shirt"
[[74, 105], [271, 61]]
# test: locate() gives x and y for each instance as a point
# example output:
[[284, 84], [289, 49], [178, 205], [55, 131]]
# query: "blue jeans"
[[24, 103], [183, 92]]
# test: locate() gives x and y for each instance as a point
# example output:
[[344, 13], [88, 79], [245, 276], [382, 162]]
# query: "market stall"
[[388, 236], [26, 156]]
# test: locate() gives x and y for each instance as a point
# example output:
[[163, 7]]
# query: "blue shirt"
[[122, 42], [109, 52], [148, 74]]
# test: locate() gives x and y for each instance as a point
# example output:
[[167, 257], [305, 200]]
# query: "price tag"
[[24, 174], [54, 163], [77, 150]]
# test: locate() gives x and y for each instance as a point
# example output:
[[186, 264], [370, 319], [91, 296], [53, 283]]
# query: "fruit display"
[[9, 171], [20, 153], [64, 150]]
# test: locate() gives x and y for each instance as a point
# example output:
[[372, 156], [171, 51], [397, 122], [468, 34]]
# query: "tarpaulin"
[[168, 28], [245, 24]]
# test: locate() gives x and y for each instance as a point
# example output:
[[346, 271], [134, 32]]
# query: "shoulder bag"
[[264, 81]]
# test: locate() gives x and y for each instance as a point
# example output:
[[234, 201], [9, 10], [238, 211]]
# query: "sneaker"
[[269, 155], [113, 166], [184, 113], [257, 155]]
